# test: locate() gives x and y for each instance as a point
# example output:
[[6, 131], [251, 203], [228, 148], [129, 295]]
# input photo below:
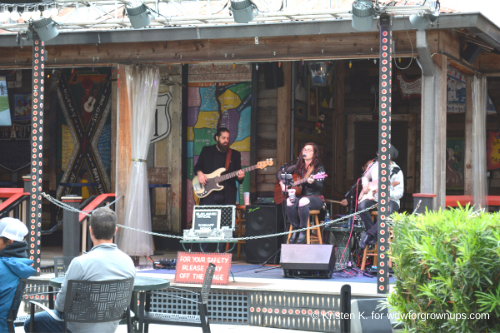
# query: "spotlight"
[[45, 28], [422, 22], [14, 15], [243, 10], [36, 13], [362, 15], [139, 16]]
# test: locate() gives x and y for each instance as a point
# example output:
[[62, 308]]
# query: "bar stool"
[[373, 252], [239, 228], [318, 236]]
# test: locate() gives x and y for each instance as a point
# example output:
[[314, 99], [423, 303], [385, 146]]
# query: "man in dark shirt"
[[214, 157]]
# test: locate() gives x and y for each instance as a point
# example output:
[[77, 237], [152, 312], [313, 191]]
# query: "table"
[[141, 284]]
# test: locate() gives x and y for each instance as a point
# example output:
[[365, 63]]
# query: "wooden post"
[[339, 158], [284, 116], [468, 180], [123, 144], [440, 63]]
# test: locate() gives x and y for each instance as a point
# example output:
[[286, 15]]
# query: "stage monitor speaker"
[[307, 260], [263, 220], [471, 52]]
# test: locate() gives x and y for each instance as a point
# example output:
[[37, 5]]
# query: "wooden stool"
[[374, 215], [370, 253], [318, 229], [374, 252], [239, 228]]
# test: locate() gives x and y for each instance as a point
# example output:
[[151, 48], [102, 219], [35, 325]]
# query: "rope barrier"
[[329, 223]]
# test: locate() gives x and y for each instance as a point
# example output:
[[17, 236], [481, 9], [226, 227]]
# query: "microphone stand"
[[284, 169]]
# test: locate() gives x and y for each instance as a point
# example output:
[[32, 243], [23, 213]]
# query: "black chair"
[[16, 303], [93, 302], [147, 317]]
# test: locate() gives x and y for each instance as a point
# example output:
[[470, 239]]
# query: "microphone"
[[303, 155]]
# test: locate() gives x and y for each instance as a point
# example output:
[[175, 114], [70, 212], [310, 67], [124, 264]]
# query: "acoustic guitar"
[[297, 182], [214, 178]]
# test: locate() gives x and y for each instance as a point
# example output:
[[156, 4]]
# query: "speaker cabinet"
[[307, 260], [263, 220]]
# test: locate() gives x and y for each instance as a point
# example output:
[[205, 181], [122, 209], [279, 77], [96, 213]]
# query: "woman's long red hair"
[[300, 169]]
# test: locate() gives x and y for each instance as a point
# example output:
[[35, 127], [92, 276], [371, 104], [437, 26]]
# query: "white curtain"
[[142, 89], [479, 164]]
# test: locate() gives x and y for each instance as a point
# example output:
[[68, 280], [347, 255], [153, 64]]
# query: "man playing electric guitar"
[[311, 197], [215, 157], [396, 192]]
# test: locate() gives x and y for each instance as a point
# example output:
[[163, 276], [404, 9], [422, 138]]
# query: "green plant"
[[447, 269]]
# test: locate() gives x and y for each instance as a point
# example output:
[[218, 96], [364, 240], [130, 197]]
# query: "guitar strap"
[[228, 158], [309, 171]]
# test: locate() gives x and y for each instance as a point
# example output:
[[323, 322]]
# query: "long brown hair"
[[300, 169]]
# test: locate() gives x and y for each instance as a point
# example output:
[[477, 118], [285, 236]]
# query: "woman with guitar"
[[310, 195]]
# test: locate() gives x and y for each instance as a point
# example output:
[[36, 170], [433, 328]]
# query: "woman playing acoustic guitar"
[[311, 196]]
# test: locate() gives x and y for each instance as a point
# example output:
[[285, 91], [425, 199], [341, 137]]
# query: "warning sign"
[[192, 266]]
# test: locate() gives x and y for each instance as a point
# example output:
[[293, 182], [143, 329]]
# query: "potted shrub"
[[447, 270]]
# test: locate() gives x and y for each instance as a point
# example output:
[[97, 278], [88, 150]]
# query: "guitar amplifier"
[[227, 216]]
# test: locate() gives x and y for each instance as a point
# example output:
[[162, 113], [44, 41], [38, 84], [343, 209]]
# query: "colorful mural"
[[210, 106], [84, 129]]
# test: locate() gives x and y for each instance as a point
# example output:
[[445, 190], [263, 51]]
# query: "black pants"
[[370, 226], [298, 216], [215, 198]]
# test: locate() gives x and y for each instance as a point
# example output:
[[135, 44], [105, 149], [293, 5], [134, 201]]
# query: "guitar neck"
[[233, 174]]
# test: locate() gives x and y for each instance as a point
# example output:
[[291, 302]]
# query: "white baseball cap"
[[12, 228]]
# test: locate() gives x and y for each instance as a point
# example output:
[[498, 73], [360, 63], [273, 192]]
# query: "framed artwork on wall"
[[22, 107]]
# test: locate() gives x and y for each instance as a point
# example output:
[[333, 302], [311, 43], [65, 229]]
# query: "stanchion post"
[[71, 227], [345, 308]]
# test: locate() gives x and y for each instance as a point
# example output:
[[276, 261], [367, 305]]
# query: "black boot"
[[293, 238], [365, 239], [302, 238]]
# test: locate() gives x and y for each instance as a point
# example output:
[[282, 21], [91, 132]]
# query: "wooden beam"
[[412, 152], [468, 180], [338, 161], [489, 64], [324, 46], [284, 116], [253, 129], [350, 149], [124, 143], [440, 63]]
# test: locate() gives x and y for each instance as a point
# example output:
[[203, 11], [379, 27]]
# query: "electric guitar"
[[297, 182], [372, 189], [214, 178]]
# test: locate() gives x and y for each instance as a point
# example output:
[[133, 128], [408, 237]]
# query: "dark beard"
[[222, 148]]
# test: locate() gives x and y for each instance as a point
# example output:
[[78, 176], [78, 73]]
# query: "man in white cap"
[[14, 263]]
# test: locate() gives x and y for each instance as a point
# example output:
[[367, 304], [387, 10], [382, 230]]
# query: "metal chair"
[[147, 317], [16, 303], [93, 302]]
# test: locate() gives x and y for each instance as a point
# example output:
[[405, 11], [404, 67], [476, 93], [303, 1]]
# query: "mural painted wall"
[[212, 105], [84, 131]]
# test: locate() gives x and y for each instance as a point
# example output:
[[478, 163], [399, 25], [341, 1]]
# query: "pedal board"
[[165, 263]]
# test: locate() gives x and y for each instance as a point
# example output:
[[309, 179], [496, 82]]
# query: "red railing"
[[463, 200], [95, 203]]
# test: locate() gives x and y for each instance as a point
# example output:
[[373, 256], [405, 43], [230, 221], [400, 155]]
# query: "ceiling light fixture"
[[139, 16], [243, 10]]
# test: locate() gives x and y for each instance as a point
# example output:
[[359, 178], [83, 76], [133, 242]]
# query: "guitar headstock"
[[320, 175], [265, 164]]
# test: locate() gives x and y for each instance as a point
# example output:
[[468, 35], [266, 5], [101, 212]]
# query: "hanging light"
[[26, 14], [46, 11], [139, 16], [54, 11], [45, 28], [243, 10], [362, 15], [4, 14], [36, 13], [14, 14]]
